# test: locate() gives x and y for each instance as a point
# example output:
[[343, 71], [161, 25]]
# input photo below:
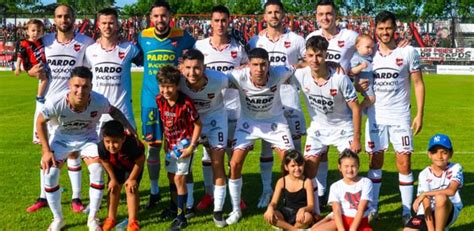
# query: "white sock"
[[190, 200], [406, 191], [153, 164], [42, 192], [75, 176], [235, 189], [322, 176], [375, 175], [53, 194], [266, 174], [316, 209], [297, 144], [219, 197], [208, 177], [96, 188]]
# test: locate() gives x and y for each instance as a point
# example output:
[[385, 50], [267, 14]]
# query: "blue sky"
[[120, 3]]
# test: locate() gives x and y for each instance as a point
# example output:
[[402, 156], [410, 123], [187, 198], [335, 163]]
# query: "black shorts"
[[419, 222], [289, 214], [122, 176]]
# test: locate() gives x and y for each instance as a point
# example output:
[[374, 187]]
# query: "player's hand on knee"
[[113, 185], [131, 186], [47, 160]]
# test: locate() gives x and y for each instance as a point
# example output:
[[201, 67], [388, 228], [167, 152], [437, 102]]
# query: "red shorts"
[[363, 226]]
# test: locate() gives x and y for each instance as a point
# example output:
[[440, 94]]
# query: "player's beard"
[[161, 28], [66, 29]]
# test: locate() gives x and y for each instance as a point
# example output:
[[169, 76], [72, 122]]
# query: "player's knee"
[[310, 167], [180, 179], [96, 175], [404, 167], [441, 201], [235, 165], [51, 179]]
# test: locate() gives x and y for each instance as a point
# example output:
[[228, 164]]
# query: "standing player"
[[331, 100], [340, 50], [205, 88], [161, 45], [389, 118], [261, 117], [64, 50], [222, 52], [76, 112], [111, 61], [284, 48]]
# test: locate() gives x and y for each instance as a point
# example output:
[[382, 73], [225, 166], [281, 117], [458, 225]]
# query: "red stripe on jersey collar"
[[216, 48]]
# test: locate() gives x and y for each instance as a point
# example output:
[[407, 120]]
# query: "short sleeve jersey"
[[178, 120], [158, 53], [77, 125], [349, 196], [327, 104], [112, 74], [131, 150], [392, 85], [31, 53], [209, 99], [341, 47], [287, 50], [428, 181], [260, 103], [62, 58]]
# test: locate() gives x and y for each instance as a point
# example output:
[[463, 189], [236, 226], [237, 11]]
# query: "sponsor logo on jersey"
[[202, 104], [121, 55], [161, 57], [287, 44], [220, 68], [386, 73], [321, 103], [277, 57], [77, 47], [61, 62], [340, 43], [333, 92], [233, 54], [94, 114], [416, 221], [108, 69], [333, 55], [211, 95], [399, 61]]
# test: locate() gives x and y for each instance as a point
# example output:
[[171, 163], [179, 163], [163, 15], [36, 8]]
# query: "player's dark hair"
[[317, 43], [69, 8], [347, 153], [291, 155], [274, 2], [108, 11], [36, 22], [326, 3], [220, 9], [258, 53], [193, 54], [81, 72], [435, 148], [168, 75], [160, 3], [113, 128], [385, 16]]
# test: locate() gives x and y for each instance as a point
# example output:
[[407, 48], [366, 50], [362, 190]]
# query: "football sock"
[[406, 191], [53, 194], [375, 175], [322, 176], [75, 176], [235, 190], [96, 188], [153, 163], [219, 197]]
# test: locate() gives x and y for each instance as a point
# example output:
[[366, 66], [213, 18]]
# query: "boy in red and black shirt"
[[31, 52], [180, 121], [122, 157]]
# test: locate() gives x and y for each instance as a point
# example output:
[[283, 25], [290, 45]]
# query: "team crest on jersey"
[[77, 47], [174, 43], [94, 114], [340, 43], [287, 44], [233, 54], [121, 54], [333, 92], [399, 61], [273, 88], [211, 95], [307, 148]]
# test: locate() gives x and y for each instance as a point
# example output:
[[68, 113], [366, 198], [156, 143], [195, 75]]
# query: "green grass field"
[[449, 109]]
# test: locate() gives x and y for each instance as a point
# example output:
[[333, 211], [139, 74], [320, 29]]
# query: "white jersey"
[[224, 60], [75, 125], [62, 58], [341, 47], [349, 196], [112, 77], [327, 104], [392, 85], [286, 51], [209, 99], [427, 181], [260, 103]]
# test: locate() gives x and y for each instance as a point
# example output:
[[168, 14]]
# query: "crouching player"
[[122, 156], [438, 203], [180, 121]]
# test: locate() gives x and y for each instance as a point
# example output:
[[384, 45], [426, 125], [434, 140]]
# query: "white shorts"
[[179, 166], [214, 130], [39, 107], [62, 146], [274, 131], [319, 139], [377, 137], [292, 110]]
